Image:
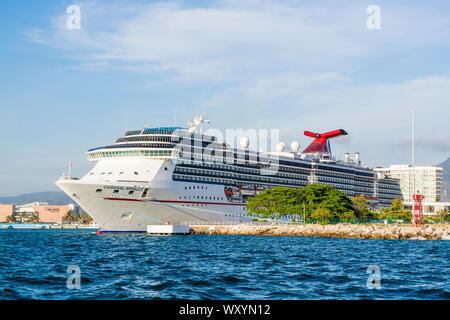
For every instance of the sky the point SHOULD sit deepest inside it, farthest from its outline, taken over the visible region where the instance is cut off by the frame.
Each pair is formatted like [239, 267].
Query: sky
[289, 66]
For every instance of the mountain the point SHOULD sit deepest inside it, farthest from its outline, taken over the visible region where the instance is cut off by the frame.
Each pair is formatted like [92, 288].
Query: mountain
[446, 175]
[51, 197]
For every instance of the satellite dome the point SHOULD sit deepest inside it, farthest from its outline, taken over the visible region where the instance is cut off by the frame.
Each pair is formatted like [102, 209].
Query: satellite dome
[244, 142]
[295, 146]
[281, 146]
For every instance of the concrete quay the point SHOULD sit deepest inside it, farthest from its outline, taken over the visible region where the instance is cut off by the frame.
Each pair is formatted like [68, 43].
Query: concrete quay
[342, 230]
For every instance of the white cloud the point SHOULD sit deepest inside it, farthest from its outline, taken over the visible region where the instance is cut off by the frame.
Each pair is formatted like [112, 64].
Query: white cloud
[376, 116]
[228, 41]
[278, 64]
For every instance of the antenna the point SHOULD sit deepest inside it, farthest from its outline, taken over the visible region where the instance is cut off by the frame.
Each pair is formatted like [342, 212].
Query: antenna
[417, 212]
[413, 151]
[70, 169]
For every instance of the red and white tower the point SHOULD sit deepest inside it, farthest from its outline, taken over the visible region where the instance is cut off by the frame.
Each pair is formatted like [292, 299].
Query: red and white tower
[417, 213]
[417, 210]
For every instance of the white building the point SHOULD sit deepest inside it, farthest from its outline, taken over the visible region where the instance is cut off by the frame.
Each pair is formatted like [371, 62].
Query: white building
[424, 180]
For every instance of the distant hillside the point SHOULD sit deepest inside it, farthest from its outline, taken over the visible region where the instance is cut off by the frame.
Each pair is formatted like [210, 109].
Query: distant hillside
[446, 175]
[51, 197]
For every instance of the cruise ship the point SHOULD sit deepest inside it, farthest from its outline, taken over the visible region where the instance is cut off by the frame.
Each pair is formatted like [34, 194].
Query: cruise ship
[176, 175]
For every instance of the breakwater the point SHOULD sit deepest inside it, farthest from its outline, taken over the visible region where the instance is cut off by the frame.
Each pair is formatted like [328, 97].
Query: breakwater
[342, 230]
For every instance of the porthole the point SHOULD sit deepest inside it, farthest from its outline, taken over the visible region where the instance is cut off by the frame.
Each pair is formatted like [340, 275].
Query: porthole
[136, 173]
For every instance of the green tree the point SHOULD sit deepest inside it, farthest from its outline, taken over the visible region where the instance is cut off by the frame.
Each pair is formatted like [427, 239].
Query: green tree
[24, 217]
[397, 211]
[284, 202]
[84, 218]
[323, 215]
[361, 206]
[349, 215]
[34, 218]
[442, 214]
[273, 203]
[10, 219]
[68, 217]
[324, 196]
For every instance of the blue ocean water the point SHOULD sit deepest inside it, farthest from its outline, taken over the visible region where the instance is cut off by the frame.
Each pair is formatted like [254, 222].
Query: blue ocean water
[33, 265]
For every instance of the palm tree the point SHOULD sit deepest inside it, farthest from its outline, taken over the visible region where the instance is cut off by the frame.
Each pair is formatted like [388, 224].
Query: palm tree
[34, 218]
[24, 217]
[68, 217]
[442, 215]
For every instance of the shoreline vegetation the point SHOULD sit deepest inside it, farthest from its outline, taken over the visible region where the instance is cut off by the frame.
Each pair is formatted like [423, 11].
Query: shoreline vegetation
[323, 204]
[340, 230]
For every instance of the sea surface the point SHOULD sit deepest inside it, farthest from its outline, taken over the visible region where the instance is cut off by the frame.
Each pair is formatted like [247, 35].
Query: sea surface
[34, 265]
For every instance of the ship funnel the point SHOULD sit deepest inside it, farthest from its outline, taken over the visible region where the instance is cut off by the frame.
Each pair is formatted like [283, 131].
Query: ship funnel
[320, 145]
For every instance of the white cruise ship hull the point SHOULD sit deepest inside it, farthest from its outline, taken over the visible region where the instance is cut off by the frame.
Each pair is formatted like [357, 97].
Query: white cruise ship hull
[122, 213]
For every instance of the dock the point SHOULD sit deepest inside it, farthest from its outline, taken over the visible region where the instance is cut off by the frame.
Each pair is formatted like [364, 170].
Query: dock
[155, 229]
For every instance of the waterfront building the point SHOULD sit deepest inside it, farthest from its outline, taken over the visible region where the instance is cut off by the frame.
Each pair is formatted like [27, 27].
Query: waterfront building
[43, 211]
[53, 214]
[424, 180]
[5, 211]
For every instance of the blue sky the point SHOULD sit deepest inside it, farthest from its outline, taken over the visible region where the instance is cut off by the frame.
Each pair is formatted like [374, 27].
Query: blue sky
[287, 65]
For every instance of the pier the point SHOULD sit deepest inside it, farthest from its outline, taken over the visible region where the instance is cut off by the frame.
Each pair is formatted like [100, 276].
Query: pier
[168, 230]
[341, 230]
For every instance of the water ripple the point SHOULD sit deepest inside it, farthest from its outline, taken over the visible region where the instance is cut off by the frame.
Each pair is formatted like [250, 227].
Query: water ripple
[33, 265]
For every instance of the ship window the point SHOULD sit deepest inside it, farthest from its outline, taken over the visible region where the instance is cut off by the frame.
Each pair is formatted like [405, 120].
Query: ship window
[98, 190]
[121, 172]
[115, 191]
[131, 192]
[144, 194]
[136, 173]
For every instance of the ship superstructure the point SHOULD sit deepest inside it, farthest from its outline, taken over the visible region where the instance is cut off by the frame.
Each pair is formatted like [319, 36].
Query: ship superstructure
[177, 175]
